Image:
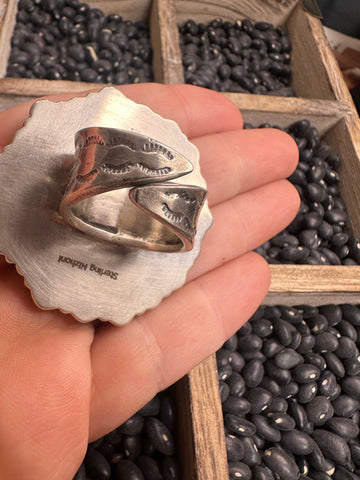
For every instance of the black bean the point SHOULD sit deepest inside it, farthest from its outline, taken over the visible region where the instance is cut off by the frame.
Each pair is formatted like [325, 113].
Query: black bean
[132, 426]
[159, 436]
[316, 459]
[345, 406]
[149, 467]
[317, 323]
[81, 473]
[334, 364]
[281, 463]
[96, 465]
[127, 470]
[319, 410]
[342, 473]
[298, 442]
[239, 470]
[271, 347]
[237, 361]
[264, 429]
[234, 448]
[259, 399]
[282, 421]
[326, 342]
[347, 329]
[152, 408]
[262, 327]
[346, 348]
[333, 446]
[298, 413]
[307, 392]
[261, 472]
[295, 340]
[170, 468]
[238, 425]
[282, 331]
[231, 343]
[307, 344]
[327, 384]
[244, 331]
[351, 386]
[249, 343]
[224, 391]
[132, 446]
[224, 372]
[280, 375]
[236, 384]
[271, 385]
[288, 358]
[253, 373]
[289, 390]
[354, 445]
[251, 454]
[336, 216]
[315, 359]
[351, 313]
[236, 405]
[344, 427]
[306, 373]
[352, 365]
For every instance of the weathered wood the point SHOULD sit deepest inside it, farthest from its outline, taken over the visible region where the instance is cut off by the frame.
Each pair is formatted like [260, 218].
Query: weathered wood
[8, 12]
[257, 109]
[167, 60]
[39, 87]
[274, 11]
[314, 284]
[135, 10]
[312, 78]
[207, 422]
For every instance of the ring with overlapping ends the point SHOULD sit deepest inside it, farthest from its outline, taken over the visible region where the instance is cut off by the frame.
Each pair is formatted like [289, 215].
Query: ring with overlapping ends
[120, 191]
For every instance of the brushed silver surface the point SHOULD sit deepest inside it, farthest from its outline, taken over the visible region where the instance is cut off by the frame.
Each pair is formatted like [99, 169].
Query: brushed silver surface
[65, 268]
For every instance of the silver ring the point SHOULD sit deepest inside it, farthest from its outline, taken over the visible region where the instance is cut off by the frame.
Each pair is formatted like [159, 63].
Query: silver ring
[119, 191]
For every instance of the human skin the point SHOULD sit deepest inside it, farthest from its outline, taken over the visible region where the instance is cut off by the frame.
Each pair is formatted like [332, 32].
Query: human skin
[64, 383]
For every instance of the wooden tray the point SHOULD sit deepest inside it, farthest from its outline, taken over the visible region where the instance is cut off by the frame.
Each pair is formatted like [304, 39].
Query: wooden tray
[323, 98]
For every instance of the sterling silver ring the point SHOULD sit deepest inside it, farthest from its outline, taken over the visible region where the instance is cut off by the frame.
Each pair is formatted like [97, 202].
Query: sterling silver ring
[119, 191]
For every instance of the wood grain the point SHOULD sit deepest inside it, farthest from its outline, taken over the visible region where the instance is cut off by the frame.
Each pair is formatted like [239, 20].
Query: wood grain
[135, 10]
[167, 61]
[8, 12]
[274, 11]
[257, 109]
[207, 422]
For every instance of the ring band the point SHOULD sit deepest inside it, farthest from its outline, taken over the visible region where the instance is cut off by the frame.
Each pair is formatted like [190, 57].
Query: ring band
[119, 191]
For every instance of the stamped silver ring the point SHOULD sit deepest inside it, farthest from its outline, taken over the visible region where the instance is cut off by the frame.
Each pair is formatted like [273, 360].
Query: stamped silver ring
[151, 212]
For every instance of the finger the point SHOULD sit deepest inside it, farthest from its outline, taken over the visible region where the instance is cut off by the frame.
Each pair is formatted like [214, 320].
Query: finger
[240, 160]
[44, 401]
[163, 344]
[197, 111]
[245, 222]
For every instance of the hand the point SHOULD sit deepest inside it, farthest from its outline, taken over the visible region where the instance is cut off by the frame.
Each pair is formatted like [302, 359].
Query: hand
[64, 383]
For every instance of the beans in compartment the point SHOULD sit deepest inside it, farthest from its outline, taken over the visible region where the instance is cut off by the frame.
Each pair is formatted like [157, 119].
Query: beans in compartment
[69, 40]
[142, 448]
[319, 233]
[295, 435]
[241, 56]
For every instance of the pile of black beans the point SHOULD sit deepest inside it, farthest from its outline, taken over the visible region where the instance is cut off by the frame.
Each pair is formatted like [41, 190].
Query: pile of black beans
[290, 390]
[318, 235]
[68, 40]
[241, 56]
[142, 448]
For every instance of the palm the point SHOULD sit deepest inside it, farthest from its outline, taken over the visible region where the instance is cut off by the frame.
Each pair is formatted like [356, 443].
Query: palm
[64, 383]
